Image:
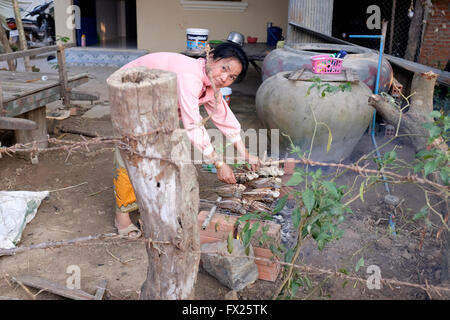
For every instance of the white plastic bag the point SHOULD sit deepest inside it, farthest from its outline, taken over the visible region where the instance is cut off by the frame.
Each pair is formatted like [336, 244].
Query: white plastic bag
[17, 208]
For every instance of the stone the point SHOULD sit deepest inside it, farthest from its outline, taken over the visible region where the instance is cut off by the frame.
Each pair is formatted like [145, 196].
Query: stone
[385, 243]
[234, 270]
[437, 275]
[407, 256]
[232, 295]
[391, 200]
[98, 112]
[412, 247]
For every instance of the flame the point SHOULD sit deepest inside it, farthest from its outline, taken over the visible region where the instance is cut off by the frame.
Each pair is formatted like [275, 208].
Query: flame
[237, 237]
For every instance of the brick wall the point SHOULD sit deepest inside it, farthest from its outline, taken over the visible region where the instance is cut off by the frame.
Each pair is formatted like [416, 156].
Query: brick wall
[435, 50]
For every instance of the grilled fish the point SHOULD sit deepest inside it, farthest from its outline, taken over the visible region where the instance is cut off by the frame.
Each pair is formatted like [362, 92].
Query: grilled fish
[270, 182]
[231, 190]
[261, 194]
[270, 172]
[245, 177]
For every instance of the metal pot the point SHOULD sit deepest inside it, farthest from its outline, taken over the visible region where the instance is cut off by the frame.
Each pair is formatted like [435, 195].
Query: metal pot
[236, 37]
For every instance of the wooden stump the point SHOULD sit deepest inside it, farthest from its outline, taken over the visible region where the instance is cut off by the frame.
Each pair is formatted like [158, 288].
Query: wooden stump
[421, 104]
[164, 180]
[40, 134]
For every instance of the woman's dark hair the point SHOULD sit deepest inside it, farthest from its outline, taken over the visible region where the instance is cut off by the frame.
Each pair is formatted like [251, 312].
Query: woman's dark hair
[230, 50]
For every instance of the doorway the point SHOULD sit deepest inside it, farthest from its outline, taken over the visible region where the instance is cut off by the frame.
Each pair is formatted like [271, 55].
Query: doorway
[108, 23]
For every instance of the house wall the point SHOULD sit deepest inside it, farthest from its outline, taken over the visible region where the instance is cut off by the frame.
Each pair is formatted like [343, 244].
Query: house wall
[435, 50]
[61, 18]
[162, 24]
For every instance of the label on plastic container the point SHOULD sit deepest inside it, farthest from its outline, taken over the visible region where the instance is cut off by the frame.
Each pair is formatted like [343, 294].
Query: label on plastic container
[196, 41]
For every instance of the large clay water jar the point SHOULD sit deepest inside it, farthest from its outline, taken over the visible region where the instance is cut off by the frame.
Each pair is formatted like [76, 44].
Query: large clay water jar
[363, 60]
[284, 104]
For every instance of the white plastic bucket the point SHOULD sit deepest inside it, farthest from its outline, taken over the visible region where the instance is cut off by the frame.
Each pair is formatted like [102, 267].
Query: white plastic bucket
[226, 93]
[196, 38]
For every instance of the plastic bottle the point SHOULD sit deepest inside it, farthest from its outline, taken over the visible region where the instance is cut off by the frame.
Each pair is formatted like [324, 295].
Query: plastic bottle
[341, 54]
[83, 40]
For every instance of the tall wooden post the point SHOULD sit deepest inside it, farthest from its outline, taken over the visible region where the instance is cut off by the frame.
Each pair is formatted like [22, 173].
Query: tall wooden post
[22, 40]
[164, 181]
[7, 47]
[63, 79]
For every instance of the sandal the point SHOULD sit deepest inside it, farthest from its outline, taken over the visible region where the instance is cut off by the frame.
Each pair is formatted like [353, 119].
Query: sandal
[125, 233]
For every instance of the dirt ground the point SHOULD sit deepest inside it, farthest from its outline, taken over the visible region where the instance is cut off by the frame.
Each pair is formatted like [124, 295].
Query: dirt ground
[88, 209]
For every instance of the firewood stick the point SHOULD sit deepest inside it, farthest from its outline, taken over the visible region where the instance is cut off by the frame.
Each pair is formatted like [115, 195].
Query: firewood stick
[211, 214]
[54, 244]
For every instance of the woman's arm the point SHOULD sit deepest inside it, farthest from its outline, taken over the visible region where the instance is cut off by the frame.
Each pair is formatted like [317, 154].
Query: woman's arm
[251, 159]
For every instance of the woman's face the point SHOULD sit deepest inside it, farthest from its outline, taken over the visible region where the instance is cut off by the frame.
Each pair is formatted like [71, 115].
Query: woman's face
[225, 71]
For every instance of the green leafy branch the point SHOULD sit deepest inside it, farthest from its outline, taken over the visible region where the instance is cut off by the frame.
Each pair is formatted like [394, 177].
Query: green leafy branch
[327, 87]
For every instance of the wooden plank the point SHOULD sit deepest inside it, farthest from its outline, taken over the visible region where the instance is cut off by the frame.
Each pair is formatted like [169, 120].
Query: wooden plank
[308, 75]
[53, 287]
[7, 123]
[318, 34]
[443, 76]
[23, 76]
[29, 103]
[73, 82]
[101, 288]
[296, 75]
[32, 52]
[20, 104]
[351, 75]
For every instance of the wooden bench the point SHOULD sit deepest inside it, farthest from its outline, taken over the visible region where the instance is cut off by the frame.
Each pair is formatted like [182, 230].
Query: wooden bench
[26, 94]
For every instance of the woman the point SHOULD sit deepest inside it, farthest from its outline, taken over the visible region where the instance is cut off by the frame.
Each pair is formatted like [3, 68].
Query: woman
[228, 63]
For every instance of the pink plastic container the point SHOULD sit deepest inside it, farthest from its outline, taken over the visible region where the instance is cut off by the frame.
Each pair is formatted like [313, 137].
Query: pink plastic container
[325, 64]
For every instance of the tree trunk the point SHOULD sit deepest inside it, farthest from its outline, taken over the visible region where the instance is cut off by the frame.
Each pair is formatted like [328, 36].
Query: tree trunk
[7, 47]
[164, 180]
[421, 104]
[22, 40]
[415, 32]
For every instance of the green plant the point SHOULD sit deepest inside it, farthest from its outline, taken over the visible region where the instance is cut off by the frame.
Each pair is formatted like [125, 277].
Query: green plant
[62, 39]
[327, 87]
[436, 159]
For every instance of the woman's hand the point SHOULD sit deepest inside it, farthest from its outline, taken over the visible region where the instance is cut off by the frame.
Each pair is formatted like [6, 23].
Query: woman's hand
[254, 162]
[225, 174]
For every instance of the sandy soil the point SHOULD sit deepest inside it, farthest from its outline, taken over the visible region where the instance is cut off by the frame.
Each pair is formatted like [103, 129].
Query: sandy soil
[89, 209]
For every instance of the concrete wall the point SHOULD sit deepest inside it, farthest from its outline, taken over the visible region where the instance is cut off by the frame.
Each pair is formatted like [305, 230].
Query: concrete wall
[61, 18]
[162, 24]
[435, 50]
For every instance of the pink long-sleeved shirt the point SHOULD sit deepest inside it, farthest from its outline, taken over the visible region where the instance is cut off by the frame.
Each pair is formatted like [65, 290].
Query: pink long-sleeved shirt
[194, 90]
